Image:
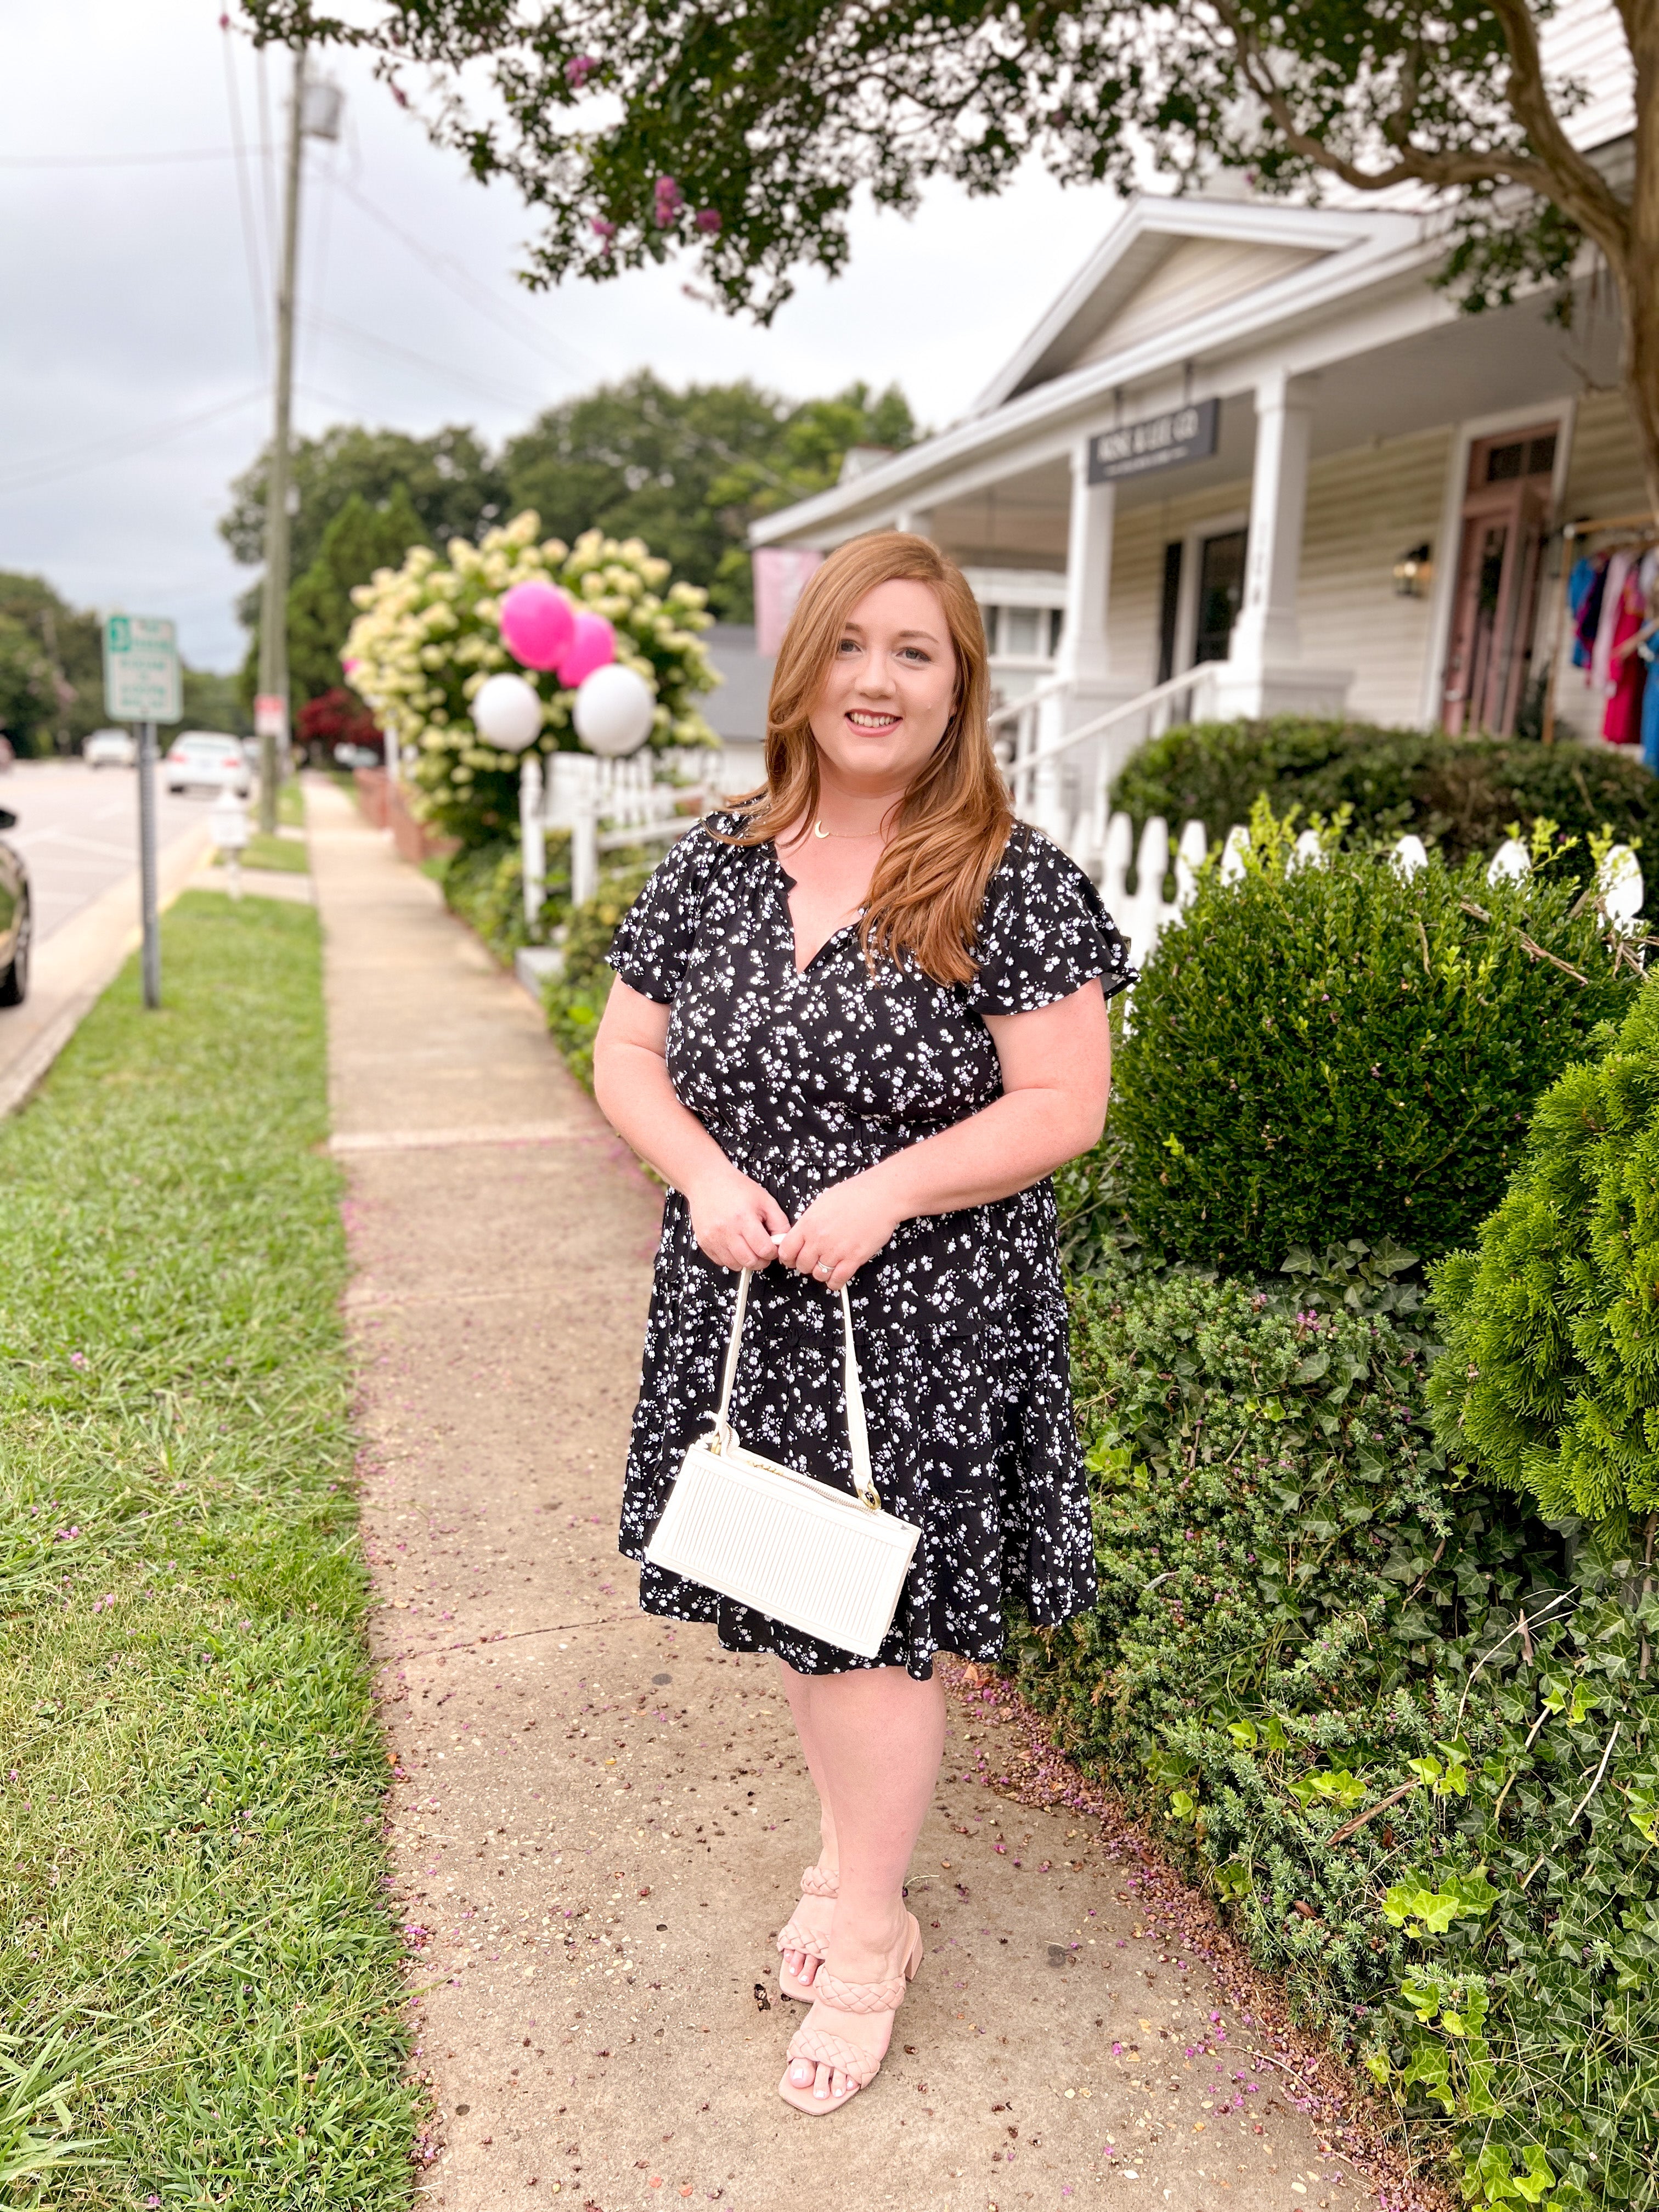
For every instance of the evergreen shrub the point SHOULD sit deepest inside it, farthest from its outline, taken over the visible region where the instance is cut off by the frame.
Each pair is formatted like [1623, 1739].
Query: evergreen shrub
[1462, 794]
[1366, 1703]
[1549, 1383]
[1331, 1051]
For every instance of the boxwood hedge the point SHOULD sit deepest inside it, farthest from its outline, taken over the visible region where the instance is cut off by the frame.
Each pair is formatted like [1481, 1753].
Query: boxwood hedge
[1395, 1725]
[1461, 792]
[1330, 1051]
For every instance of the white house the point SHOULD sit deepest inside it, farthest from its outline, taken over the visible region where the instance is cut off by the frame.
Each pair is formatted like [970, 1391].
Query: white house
[1251, 446]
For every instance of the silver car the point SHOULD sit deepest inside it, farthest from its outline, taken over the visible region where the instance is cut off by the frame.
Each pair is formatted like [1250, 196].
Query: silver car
[13, 919]
[110, 748]
[207, 758]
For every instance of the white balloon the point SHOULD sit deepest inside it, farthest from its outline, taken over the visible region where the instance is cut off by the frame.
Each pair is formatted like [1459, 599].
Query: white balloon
[507, 711]
[614, 709]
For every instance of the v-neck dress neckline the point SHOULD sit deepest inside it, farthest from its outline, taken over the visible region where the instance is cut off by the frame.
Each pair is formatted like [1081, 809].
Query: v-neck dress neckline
[805, 1077]
[786, 883]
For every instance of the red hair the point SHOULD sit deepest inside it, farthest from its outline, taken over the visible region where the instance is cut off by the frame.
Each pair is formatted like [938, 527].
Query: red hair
[952, 825]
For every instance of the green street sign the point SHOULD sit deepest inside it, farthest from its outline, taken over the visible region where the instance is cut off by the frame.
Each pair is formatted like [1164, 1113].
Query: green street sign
[141, 670]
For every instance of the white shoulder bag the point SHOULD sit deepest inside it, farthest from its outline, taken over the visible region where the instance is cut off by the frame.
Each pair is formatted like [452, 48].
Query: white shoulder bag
[782, 1541]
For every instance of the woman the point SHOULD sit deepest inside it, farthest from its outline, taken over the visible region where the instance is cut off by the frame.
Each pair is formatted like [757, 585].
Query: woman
[858, 1020]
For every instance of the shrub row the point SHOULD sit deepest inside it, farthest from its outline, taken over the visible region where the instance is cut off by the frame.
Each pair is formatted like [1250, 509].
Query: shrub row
[1460, 792]
[1366, 1701]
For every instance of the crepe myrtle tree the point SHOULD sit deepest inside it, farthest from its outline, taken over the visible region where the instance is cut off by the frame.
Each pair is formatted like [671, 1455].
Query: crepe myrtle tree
[744, 130]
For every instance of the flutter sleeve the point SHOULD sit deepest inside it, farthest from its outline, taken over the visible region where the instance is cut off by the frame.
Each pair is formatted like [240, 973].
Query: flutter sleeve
[1043, 932]
[653, 939]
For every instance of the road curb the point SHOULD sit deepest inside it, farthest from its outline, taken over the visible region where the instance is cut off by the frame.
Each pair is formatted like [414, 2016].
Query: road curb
[77, 963]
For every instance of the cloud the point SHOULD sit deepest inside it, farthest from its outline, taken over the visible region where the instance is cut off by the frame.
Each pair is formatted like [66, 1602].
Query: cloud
[133, 378]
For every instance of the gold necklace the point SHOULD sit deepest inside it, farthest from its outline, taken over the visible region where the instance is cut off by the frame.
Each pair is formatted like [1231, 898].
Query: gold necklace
[851, 837]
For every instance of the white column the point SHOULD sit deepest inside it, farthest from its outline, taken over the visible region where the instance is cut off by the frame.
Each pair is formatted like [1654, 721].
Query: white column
[1083, 655]
[1266, 631]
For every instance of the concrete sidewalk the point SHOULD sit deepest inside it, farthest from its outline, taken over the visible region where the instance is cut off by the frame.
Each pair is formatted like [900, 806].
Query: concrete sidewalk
[599, 1820]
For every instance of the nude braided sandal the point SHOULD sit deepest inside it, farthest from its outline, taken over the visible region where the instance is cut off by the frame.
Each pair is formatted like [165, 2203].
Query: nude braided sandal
[797, 1936]
[819, 2048]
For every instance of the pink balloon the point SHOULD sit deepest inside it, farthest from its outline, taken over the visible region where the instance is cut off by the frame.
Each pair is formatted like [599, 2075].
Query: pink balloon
[538, 623]
[594, 645]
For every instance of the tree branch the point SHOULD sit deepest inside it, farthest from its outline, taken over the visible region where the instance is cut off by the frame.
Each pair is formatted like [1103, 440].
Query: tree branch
[1576, 185]
[1414, 166]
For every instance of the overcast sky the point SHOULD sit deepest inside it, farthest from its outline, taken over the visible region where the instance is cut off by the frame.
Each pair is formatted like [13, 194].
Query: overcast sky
[134, 361]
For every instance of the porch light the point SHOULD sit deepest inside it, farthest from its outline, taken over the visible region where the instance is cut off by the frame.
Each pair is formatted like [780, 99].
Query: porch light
[1411, 572]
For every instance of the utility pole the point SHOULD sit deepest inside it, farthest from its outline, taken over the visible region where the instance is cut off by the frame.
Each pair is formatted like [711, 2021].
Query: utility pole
[271, 714]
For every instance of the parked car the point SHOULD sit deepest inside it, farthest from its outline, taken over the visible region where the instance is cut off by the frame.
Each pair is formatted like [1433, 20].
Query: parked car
[110, 748]
[14, 921]
[351, 755]
[207, 758]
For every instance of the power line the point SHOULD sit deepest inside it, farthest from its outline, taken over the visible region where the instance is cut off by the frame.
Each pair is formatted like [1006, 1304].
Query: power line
[467, 287]
[130, 444]
[244, 203]
[502, 393]
[117, 160]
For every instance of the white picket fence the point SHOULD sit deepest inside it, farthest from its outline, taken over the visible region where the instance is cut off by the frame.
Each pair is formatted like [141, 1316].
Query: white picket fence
[1144, 913]
[647, 799]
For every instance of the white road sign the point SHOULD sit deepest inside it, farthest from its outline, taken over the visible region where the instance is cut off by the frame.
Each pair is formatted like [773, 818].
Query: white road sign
[141, 670]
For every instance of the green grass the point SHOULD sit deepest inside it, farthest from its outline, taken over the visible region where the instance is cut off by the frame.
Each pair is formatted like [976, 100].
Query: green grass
[200, 1995]
[291, 855]
[290, 805]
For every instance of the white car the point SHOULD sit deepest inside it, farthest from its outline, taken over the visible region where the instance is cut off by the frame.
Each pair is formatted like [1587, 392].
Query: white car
[209, 758]
[110, 748]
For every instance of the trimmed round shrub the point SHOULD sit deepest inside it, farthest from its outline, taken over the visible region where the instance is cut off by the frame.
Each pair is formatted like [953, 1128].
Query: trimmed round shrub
[1330, 1051]
[1550, 1382]
[1462, 794]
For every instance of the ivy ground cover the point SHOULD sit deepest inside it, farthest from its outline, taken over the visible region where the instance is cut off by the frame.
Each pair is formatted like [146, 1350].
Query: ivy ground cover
[200, 1997]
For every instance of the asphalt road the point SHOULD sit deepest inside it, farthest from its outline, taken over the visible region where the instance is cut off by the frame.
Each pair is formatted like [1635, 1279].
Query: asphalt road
[77, 829]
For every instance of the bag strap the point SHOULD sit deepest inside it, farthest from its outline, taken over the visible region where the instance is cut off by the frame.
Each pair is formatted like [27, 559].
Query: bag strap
[858, 1434]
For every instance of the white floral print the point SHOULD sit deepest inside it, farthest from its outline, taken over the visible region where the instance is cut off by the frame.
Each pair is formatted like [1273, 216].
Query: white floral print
[804, 1079]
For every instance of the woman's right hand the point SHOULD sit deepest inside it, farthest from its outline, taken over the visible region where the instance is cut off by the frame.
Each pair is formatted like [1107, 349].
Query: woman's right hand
[736, 1224]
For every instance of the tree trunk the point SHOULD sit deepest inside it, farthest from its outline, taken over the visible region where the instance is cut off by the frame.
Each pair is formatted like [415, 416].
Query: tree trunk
[1638, 278]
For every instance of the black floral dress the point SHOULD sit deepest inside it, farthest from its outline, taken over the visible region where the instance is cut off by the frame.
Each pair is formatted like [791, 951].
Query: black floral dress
[804, 1079]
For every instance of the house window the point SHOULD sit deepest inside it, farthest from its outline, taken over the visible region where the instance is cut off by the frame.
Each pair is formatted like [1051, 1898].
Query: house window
[1220, 593]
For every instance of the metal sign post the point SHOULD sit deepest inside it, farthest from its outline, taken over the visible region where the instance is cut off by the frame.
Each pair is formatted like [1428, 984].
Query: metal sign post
[141, 685]
[147, 893]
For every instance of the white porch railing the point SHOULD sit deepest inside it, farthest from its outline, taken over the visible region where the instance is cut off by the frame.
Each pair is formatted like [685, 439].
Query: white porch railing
[1062, 782]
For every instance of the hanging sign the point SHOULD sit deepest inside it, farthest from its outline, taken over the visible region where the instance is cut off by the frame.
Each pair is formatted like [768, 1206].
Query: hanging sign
[1161, 441]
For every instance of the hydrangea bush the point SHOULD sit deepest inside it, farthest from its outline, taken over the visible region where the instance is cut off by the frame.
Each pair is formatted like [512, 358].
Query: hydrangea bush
[427, 636]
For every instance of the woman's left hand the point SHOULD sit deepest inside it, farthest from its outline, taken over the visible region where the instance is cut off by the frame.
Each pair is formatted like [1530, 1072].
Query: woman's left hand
[843, 1227]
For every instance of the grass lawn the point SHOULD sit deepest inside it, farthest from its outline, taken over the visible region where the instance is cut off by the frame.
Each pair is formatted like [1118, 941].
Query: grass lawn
[290, 853]
[290, 805]
[200, 1996]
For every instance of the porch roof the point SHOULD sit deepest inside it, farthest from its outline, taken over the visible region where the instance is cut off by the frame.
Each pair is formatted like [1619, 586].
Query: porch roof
[1342, 291]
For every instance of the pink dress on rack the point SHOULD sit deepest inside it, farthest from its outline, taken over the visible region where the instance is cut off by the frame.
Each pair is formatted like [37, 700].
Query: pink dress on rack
[1621, 724]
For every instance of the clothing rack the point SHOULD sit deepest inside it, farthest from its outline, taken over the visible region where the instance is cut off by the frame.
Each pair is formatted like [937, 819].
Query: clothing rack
[1606, 526]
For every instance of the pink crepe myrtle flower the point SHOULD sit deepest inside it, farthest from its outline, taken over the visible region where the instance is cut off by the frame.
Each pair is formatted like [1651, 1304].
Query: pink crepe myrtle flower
[601, 228]
[579, 69]
[706, 219]
[669, 201]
